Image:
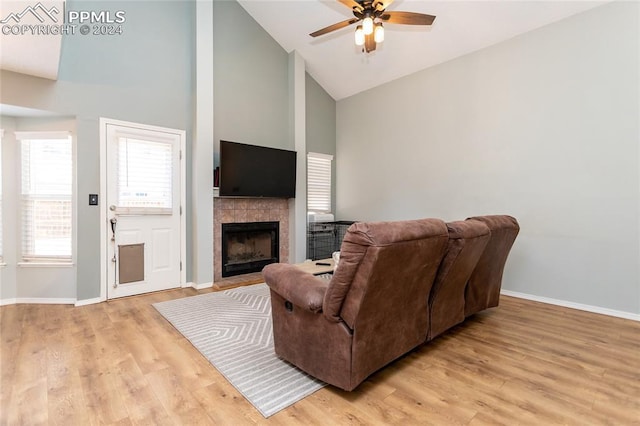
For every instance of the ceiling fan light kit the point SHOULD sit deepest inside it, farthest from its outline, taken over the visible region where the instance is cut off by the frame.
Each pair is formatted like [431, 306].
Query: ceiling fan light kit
[359, 35]
[371, 14]
[379, 33]
[367, 25]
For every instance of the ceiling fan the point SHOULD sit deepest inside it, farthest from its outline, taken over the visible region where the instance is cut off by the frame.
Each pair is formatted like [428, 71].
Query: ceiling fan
[373, 13]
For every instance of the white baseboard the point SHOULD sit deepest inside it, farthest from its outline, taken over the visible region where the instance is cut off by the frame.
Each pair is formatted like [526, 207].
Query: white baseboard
[201, 286]
[85, 302]
[38, 301]
[573, 305]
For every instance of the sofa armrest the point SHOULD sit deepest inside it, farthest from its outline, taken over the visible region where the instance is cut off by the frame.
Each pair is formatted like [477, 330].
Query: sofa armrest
[300, 288]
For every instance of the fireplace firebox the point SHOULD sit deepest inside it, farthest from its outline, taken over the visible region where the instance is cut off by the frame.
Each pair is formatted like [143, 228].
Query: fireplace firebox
[249, 247]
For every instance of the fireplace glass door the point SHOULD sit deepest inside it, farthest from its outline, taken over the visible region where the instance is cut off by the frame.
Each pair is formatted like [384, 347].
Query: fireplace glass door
[248, 247]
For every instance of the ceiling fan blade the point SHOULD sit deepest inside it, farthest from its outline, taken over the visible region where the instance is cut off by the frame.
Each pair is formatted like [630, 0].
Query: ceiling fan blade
[407, 18]
[352, 4]
[369, 43]
[381, 4]
[334, 27]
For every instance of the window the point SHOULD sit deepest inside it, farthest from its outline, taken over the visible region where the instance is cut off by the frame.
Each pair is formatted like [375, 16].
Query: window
[144, 179]
[46, 181]
[319, 182]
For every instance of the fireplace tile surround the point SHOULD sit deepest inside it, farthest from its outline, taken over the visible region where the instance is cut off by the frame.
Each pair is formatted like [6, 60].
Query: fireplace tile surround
[242, 210]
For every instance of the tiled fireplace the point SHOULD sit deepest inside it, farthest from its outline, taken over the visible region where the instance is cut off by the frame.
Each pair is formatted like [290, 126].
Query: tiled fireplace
[249, 210]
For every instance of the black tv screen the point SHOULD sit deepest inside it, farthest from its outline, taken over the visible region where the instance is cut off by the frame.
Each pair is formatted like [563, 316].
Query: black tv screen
[256, 171]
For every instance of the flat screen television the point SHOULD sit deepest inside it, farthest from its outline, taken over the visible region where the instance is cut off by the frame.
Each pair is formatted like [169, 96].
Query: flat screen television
[256, 171]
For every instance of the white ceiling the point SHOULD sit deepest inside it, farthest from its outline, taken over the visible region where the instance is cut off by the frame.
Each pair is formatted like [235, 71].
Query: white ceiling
[333, 60]
[460, 27]
[16, 111]
[29, 53]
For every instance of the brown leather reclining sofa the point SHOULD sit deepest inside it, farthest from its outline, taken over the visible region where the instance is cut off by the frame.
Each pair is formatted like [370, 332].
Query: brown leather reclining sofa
[397, 285]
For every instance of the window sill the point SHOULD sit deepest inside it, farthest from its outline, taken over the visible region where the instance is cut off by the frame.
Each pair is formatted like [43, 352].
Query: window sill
[45, 264]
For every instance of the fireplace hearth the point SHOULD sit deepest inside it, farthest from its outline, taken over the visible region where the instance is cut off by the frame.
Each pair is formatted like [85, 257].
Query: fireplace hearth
[249, 247]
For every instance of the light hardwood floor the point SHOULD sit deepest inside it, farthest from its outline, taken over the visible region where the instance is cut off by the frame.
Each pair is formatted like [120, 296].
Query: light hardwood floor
[121, 363]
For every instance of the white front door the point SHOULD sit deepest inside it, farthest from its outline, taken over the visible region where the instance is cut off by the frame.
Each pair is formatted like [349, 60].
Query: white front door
[143, 175]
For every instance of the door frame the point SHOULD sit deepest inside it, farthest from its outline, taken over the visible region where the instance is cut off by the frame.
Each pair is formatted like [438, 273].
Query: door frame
[104, 223]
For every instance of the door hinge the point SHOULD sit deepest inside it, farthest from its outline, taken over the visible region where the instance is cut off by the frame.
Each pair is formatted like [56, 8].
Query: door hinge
[181, 154]
[180, 210]
[181, 265]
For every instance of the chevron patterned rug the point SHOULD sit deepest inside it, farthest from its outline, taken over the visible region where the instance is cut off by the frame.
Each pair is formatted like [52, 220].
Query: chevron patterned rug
[232, 329]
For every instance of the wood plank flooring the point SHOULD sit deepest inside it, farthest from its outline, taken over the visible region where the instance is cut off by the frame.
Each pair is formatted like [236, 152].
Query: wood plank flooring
[121, 363]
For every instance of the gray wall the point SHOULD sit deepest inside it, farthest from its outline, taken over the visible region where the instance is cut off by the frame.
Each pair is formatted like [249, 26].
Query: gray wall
[251, 94]
[201, 161]
[321, 125]
[543, 127]
[258, 89]
[144, 75]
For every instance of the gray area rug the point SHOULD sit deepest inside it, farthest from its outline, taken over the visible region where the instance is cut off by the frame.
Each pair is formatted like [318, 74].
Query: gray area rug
[232, 329]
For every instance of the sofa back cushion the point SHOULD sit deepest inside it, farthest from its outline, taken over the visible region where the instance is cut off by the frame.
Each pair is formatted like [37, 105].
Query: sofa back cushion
[483, 288]
[382, 257]
[467, 241]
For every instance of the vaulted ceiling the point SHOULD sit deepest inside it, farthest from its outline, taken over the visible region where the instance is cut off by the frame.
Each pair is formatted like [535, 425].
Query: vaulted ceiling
[460, 27]
[333, 60]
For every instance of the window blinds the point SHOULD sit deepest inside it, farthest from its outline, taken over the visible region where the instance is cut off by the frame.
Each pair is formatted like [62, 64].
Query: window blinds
[145, 176]
[319, 182]
[46, 181]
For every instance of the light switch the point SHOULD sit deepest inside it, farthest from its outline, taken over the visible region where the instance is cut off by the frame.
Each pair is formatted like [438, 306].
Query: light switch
[93, 199]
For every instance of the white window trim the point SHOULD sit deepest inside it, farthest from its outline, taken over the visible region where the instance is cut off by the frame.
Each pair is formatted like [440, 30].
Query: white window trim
[42, 135]
[46, 264]
[44, 261]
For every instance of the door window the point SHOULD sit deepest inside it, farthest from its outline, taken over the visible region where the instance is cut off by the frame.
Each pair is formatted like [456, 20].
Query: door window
[144, 177]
